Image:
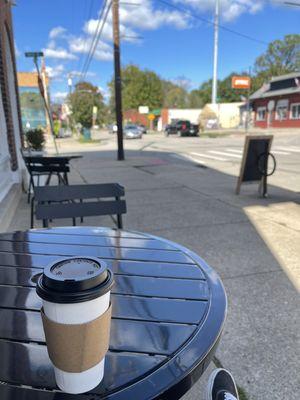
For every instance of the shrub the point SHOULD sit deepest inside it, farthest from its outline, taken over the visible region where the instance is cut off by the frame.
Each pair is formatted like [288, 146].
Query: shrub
[35, 139]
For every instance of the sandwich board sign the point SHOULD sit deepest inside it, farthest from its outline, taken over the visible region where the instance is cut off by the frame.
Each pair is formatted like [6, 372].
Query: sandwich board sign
[254, 166]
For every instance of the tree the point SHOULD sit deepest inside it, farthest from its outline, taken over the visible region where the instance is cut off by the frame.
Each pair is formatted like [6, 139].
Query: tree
[176, 97]
[281, 57]
[82, 101]
[139, 88]
[195, 99]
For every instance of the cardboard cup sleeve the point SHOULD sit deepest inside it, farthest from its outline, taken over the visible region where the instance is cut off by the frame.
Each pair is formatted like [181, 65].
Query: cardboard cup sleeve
[77, 347]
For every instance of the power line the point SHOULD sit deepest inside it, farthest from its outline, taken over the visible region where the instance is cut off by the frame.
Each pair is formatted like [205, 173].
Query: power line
[89, 14]
[104, 13]
[199, 17]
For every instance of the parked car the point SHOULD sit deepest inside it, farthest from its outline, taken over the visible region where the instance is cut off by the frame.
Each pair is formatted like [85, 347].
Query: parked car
[182, 128]
[112, 128]
[142, 128]
[132, 132]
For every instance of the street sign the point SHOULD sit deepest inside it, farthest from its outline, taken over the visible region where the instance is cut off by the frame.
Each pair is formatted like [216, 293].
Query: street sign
[151, 117]
[241, 82]
[34, 54]
[143, 109]
[95, 110]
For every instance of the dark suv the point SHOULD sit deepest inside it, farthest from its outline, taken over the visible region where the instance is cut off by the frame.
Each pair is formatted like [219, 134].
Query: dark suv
[182, 128]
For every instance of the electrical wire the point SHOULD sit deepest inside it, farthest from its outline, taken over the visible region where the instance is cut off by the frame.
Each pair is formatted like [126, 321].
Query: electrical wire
[199, 17]
[88, 14]
[102, 18]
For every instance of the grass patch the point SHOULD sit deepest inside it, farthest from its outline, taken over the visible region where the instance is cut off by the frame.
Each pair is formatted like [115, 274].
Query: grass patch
[216, 134]
[242, 393]
[84, 140]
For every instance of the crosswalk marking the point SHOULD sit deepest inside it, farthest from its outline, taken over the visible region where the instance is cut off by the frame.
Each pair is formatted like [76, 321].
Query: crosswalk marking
[235, 151]
[185, 156]
[289, 149]
[211, 157]
[222, 153]
[283, 153]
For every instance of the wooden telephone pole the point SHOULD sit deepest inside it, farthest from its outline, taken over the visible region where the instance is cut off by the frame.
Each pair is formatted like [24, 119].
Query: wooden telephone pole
[118, 80]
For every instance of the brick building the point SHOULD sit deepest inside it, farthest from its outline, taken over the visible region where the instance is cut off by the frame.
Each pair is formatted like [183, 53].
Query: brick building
[10, 121]
[277, 104]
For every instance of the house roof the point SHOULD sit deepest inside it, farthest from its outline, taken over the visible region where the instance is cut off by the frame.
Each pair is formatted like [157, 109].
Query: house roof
[287, 76]
[263, 93]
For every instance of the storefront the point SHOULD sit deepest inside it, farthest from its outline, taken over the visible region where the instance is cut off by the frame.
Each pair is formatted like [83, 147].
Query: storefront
[277, 104]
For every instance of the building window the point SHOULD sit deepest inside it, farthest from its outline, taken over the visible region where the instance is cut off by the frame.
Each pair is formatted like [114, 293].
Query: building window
[282, 110]
[261, 113]
[295, 111]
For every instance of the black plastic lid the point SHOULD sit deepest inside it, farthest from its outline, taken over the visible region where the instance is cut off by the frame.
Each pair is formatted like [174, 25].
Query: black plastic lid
[74, 280]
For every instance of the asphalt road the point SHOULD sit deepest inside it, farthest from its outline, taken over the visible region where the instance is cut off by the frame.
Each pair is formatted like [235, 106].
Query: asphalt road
[225, 153]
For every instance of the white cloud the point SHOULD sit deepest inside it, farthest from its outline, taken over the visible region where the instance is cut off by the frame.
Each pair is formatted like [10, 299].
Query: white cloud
[59, 53]
[230, 9]
[76, 74]
[82, 45]
[17, 51]
[56, 32]
[56, 71]
[139, 17]
[59, 96]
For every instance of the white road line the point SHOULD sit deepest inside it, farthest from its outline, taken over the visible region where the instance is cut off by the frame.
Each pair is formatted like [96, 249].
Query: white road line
[210, 157]
[187, 156]
[222, 153]
[235, 151]
[283, 153]
[195, 159]
[291, 149]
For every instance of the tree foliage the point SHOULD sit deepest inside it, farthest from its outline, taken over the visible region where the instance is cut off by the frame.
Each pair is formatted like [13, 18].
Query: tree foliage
[281, 57]
[82, 100]
[139, 88]
[145, 87]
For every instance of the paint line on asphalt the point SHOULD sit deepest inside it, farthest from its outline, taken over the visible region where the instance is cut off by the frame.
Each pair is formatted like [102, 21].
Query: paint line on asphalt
[187, 157]
[222, 153]
[210, 157]
[291, 149]
[235, 151]
[283, 153]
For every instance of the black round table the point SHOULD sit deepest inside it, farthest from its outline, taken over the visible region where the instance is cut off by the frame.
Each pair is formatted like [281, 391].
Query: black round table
[169, 309]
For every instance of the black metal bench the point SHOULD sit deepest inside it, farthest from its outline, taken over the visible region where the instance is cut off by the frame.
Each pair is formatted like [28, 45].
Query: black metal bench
[56, 202]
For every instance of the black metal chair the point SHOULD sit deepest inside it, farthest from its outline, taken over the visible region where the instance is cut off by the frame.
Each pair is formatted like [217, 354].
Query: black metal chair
[55, 202]
[46, 166]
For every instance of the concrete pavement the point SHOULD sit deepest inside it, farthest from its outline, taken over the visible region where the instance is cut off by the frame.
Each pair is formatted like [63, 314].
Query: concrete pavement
[252, 243]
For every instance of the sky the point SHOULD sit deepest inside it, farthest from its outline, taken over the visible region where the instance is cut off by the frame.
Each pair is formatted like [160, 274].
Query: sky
[172, 37]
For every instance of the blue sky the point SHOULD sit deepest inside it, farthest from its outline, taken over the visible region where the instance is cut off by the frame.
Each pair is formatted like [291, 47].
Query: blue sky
[174, 44]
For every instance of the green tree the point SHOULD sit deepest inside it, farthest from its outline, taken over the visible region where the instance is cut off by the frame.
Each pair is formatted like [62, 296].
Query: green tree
[195, 99]
[176, 97]
[138, 88]
[281, 57]
[82, 101]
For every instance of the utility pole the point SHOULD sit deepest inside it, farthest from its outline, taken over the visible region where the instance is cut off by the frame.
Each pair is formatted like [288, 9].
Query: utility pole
[248, 104]
[118, 80]
[214, 96]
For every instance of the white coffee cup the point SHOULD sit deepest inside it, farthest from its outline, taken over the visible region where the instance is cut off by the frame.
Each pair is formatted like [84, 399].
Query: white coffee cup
[64, 303]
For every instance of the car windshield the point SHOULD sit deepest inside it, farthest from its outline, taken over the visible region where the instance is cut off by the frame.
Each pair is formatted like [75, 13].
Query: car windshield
[130, 127]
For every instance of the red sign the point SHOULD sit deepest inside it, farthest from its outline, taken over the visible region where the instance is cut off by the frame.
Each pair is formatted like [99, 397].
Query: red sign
[241, 82]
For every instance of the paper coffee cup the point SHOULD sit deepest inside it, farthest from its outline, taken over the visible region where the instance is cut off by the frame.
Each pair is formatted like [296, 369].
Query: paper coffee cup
[75, 293]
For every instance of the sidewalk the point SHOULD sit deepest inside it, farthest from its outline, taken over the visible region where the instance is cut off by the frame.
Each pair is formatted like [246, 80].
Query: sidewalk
[252, 243]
